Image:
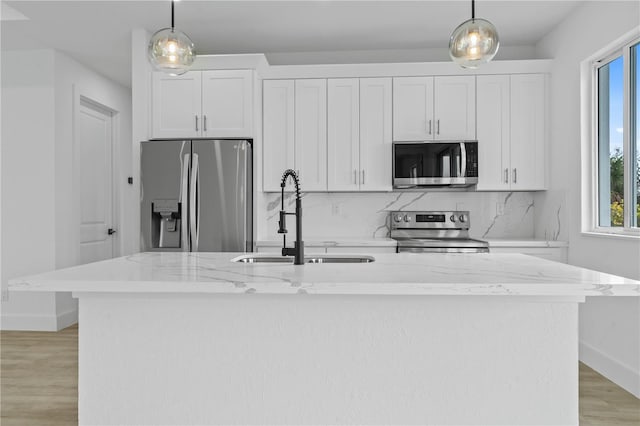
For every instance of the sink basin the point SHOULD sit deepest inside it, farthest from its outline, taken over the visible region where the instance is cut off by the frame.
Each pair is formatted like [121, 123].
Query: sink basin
[256, 258]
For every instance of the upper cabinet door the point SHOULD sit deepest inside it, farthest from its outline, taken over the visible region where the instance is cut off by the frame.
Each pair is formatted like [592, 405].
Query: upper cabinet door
[278, 150]
[375, 134]
[227, 99]
[455, 108]
[413, 108]
[176, 104]
[311, 133]
[343, 131]
[528, 132]
[493, 132]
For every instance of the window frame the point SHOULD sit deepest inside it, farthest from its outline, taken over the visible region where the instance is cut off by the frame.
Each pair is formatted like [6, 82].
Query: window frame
[590, 176]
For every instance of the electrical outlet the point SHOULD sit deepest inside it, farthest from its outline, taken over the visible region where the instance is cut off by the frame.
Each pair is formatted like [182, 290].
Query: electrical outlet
[5, 295]
[499, 209]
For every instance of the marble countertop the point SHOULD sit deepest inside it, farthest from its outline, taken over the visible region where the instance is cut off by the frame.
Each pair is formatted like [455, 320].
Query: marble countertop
[524, 242]
[332, 242]
[390, 274]
[389, 242]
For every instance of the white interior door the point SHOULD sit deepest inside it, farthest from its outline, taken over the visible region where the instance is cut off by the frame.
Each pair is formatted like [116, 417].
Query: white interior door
[95, 181]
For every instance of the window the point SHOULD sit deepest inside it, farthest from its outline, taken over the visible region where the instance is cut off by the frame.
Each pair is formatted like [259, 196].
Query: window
[617, 140]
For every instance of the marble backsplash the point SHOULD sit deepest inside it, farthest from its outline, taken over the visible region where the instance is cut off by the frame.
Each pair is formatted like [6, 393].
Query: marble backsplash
[366, 215]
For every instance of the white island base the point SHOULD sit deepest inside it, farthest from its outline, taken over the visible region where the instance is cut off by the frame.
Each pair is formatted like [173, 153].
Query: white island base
[327, 359]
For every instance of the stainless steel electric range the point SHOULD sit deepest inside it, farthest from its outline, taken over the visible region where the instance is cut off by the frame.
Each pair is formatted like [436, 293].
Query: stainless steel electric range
[434, 232]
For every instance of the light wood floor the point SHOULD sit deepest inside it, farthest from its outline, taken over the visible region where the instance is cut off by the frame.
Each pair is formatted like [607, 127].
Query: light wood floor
[39, 375]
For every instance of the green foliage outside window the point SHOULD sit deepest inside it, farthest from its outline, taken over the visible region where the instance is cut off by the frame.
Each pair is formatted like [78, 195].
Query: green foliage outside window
[617, 189]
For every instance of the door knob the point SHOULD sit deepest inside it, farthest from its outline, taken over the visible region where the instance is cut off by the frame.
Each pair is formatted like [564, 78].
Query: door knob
[111, 231]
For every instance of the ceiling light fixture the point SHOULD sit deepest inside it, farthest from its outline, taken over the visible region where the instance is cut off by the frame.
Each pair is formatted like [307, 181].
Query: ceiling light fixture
[474, 42]
[171, 50]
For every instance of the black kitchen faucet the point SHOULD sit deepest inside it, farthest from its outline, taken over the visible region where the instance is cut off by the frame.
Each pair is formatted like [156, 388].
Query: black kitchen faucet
[298, 249]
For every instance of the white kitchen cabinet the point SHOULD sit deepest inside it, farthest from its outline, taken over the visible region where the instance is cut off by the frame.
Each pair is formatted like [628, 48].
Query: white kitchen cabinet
[343, 131]
[412, 108]
[454, 110]
[375, 134]
[278, 132]
[177, 104]
[511, 132]
[216, 104]
[493, 132]
[528, 127]
[311, 133]
[295, 132]
[227, 97]
[434, 108]
[359, 134]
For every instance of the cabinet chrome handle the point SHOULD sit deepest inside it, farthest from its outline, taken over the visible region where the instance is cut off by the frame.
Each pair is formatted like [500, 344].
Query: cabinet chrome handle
[506, 175]
[429, 126]
[515, 175]
[355, 176]
[196, 123]
[438, 127]
[204, 123]
[362, 176]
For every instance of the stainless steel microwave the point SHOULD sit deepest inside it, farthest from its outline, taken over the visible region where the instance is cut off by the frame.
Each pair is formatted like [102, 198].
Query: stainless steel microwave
[435, 163]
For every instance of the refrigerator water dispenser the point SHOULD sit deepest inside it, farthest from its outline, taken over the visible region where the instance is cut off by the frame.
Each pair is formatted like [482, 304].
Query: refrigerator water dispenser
[165, 223]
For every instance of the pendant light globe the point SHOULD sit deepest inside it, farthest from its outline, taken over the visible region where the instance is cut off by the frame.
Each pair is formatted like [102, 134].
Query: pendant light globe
[171, 51]
[474, 42]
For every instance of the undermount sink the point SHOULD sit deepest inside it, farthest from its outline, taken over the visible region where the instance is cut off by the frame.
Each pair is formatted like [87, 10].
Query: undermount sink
[252, 258]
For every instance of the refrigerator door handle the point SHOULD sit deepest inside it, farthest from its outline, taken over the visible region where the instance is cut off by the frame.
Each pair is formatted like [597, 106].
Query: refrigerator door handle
[184, 191]
[194, 205]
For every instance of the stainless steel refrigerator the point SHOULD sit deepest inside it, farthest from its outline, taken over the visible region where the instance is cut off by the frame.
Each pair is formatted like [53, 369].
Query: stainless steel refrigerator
[196, 195]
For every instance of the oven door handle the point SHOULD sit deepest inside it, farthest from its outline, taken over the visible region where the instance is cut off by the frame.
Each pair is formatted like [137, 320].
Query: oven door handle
[463, 159]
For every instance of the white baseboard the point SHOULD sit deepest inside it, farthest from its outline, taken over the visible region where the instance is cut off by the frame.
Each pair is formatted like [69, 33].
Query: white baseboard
[39, 322]
[618, 373]
[67, 318]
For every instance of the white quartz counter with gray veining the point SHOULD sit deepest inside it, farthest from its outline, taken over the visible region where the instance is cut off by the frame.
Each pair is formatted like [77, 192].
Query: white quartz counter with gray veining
[390, 274]
[332, 242]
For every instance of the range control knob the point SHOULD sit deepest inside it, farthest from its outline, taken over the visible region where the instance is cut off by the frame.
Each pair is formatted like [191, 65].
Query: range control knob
[397, 217]
[407, 218]
[463, 218]
[453, 218]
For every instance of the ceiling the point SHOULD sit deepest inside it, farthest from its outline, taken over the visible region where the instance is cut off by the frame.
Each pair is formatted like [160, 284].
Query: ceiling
[98, 33]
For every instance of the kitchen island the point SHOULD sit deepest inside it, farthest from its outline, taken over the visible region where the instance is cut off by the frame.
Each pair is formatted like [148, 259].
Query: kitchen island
[194, 338]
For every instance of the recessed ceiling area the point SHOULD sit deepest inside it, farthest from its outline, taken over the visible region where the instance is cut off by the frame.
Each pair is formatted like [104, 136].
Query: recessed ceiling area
[98, 33]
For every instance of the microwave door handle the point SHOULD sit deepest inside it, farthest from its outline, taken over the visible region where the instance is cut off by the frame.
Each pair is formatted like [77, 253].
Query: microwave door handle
[463, 159]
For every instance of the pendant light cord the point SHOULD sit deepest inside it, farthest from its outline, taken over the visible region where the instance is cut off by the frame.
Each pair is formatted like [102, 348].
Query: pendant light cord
[172, 26]
[473, 9]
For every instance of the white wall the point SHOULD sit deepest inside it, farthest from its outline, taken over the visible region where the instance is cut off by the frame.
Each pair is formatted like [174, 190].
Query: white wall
[28, 178]
[39, 224]
[609, 328]
[386, 55]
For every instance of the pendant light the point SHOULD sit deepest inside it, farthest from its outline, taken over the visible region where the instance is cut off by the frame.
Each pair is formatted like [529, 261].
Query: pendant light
[171, 50]
[474, 42]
